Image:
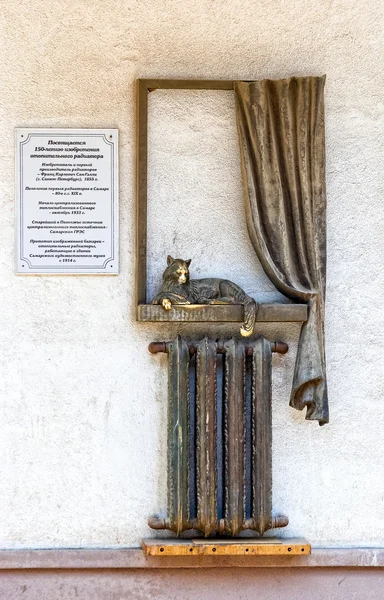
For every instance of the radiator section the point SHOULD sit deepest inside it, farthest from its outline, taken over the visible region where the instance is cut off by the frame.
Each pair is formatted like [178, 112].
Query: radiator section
[178, 436]
[206, 421]
[234, 436]
[262, 435]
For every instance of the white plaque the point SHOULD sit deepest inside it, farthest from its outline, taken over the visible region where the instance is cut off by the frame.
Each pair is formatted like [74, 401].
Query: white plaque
[67, 201]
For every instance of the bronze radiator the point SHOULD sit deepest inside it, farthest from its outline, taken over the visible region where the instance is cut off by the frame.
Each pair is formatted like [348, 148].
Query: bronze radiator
[219, 436]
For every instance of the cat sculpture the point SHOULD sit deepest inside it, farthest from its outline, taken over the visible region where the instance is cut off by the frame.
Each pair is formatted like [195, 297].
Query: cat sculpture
[178, 288]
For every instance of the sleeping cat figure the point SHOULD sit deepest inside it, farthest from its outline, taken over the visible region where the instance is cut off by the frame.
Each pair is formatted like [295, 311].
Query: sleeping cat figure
[177, 288]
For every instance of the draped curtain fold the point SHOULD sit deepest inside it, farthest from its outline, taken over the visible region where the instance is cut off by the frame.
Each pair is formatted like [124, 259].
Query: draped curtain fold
[281, 133]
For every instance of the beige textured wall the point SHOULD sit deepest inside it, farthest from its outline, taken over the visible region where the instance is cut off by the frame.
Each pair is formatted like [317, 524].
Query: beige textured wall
[83, 405]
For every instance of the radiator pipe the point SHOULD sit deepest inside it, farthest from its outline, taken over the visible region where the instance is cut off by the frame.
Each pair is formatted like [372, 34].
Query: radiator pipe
[158, 522]
[156, 347]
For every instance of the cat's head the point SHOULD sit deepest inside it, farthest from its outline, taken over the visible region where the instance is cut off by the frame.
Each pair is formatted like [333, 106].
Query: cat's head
[177, 270]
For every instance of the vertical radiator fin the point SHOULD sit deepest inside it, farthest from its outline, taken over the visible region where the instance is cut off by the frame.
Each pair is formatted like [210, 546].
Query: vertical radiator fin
[178, 436]
[206, 452]
[262, 434]
[234, 436]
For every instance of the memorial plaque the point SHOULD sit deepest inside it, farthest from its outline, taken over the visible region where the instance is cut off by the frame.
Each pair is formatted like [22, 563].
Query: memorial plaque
[67, 201]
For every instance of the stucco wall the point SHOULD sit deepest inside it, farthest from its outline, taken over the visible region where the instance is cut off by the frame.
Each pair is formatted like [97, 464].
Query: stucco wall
[83, 405]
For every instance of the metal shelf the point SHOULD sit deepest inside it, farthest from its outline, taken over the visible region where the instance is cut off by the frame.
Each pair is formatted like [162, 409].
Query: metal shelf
[228, 313]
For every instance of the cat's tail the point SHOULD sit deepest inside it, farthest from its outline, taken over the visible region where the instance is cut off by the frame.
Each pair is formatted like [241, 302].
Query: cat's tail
[250, 312]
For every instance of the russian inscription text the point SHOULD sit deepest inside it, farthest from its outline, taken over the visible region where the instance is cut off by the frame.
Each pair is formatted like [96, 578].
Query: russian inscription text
[67, 201]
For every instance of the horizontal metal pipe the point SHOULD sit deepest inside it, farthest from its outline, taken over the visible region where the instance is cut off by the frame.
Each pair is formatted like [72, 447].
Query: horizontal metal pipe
[277, 521]
[157, 522]
[156, 347]
[164, 522]
[279, 347]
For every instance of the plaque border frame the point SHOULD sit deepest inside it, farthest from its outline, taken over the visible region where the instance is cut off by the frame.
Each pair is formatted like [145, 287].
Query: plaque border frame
[66, 131]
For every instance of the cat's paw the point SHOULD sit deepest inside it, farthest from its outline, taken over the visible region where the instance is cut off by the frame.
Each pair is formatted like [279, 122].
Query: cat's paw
[166, 304]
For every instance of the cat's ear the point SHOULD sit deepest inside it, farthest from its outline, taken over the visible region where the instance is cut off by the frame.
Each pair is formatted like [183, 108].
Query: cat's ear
[188, 262]
[169, 260]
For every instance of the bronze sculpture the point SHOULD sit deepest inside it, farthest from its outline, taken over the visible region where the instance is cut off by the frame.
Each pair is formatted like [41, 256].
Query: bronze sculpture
[282, 151]
[219, 407]
[178, 288]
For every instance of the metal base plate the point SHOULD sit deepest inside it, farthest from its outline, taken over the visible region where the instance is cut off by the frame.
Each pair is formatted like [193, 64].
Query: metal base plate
[228, 547]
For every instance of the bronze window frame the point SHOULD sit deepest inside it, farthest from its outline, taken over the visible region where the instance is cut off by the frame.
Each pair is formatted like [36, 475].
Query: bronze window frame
[192, 313]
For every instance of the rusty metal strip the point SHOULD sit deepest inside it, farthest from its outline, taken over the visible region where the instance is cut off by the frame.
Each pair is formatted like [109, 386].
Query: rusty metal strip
[262, 434]
[178, 436]
[206, 451]
[234, 436]
[141, 190]
[188, 84]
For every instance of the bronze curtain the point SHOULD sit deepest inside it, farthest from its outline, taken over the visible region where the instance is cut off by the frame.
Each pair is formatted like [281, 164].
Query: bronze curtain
[281, 131]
